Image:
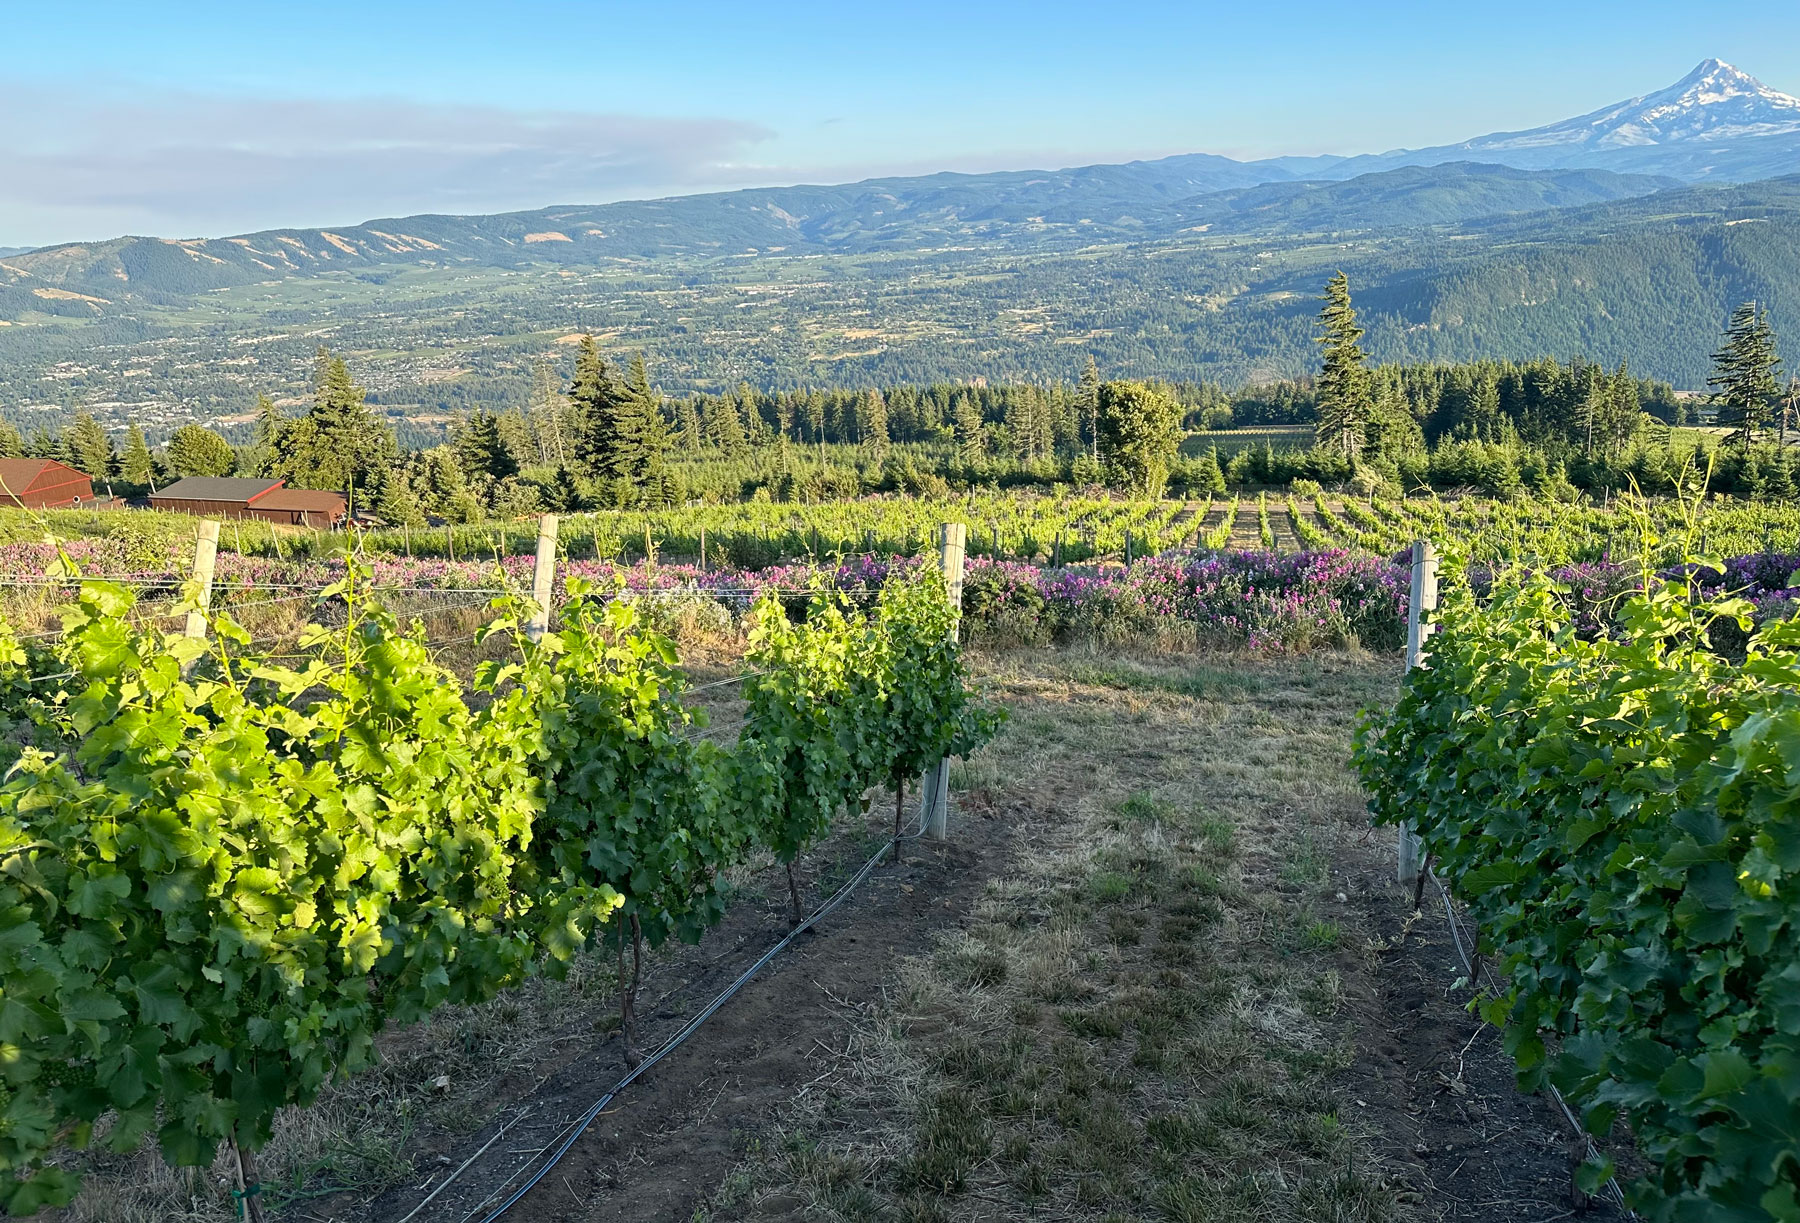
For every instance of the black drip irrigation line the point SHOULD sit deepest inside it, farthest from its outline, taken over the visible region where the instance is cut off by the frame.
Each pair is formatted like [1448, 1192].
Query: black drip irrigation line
[723, 683]
[1475, 971]
[587, 1118]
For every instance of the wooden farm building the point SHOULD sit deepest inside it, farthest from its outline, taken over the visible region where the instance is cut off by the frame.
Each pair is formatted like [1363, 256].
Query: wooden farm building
[269, 500]
[41, 484]
[303, 507]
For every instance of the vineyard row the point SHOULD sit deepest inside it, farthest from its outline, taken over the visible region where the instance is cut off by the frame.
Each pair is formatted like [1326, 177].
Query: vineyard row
[224, 871]
[1616, 806]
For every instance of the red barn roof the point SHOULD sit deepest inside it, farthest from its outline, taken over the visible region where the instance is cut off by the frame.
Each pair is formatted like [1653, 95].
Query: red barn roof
[313, 500]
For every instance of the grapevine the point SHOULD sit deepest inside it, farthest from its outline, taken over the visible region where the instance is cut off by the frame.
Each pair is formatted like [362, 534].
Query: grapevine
[1616, 809]
[221, 876]
[228, 887]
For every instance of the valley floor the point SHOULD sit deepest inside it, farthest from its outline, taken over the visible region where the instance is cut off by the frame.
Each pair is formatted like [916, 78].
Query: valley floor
[1160, 971]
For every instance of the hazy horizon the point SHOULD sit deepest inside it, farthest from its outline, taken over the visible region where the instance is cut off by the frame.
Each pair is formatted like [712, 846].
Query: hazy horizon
[206, 120]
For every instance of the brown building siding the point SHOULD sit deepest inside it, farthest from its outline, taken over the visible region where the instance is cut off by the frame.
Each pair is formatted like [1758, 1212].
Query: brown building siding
[319, 520]
[206, 509]
[264, 500]
[305, 507]
[43, 484]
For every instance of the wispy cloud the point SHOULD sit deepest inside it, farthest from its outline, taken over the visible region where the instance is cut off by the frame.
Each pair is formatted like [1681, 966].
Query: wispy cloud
[182, 165]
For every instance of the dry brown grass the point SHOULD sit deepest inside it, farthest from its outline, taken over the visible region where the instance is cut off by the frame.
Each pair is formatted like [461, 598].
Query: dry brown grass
[1141, 1020]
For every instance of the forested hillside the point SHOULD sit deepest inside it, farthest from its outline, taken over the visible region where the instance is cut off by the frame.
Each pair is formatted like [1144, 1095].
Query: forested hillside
[1442, 269]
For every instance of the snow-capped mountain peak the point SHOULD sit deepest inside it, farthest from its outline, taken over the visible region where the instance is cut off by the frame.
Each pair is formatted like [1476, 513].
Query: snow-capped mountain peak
[1713, 102]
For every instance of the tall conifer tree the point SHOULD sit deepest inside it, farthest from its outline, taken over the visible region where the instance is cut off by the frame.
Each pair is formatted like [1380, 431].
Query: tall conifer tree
[549, 412]
[89, 447]
[1087, 399]
[594, 398]
[687, 435]
[1745, 377]
[270, 421]
[480, 448]
[724, 427]
[339, 444]
[971, 439]
[1345, 390]
[874, 415]
[637, 432]
[136, 466]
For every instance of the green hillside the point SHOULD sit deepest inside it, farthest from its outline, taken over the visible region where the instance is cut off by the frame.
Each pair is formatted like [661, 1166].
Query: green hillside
[1444, 264]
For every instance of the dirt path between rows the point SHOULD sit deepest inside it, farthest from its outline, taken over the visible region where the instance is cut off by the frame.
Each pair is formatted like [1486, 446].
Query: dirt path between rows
[1431, 1078]
[1428, 1088]
[667, 1141]
[1220, 1114]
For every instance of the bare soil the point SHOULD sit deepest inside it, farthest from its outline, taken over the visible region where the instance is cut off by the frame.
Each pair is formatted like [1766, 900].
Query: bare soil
[1433, 1080]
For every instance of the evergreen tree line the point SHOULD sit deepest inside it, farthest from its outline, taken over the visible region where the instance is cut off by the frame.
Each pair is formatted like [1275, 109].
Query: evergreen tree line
[1542, 425]
[607, 438]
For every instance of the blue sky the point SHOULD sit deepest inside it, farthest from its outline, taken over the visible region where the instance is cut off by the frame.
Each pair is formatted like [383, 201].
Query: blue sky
[196, 119]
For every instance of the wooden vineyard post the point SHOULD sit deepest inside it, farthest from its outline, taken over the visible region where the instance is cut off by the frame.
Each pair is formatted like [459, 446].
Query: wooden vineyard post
[1128, 547]
[702, 549]
[206, 552]
[1419, 605]
[543, 579]
[937, 783]
[249, 1188]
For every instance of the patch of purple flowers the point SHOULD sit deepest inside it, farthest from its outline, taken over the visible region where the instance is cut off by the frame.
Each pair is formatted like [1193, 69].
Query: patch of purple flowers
[1258, 599]
[1263, 600]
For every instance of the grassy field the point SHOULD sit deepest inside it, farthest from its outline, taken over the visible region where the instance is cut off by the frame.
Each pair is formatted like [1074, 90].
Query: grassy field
[1141, 1019]
[1193, 994]
[1231, 441]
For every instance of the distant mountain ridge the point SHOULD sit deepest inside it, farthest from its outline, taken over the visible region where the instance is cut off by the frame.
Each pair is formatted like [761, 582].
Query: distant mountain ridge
[1717, 123]
[1455, 193]
[1186, 267]
[1025, 210]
